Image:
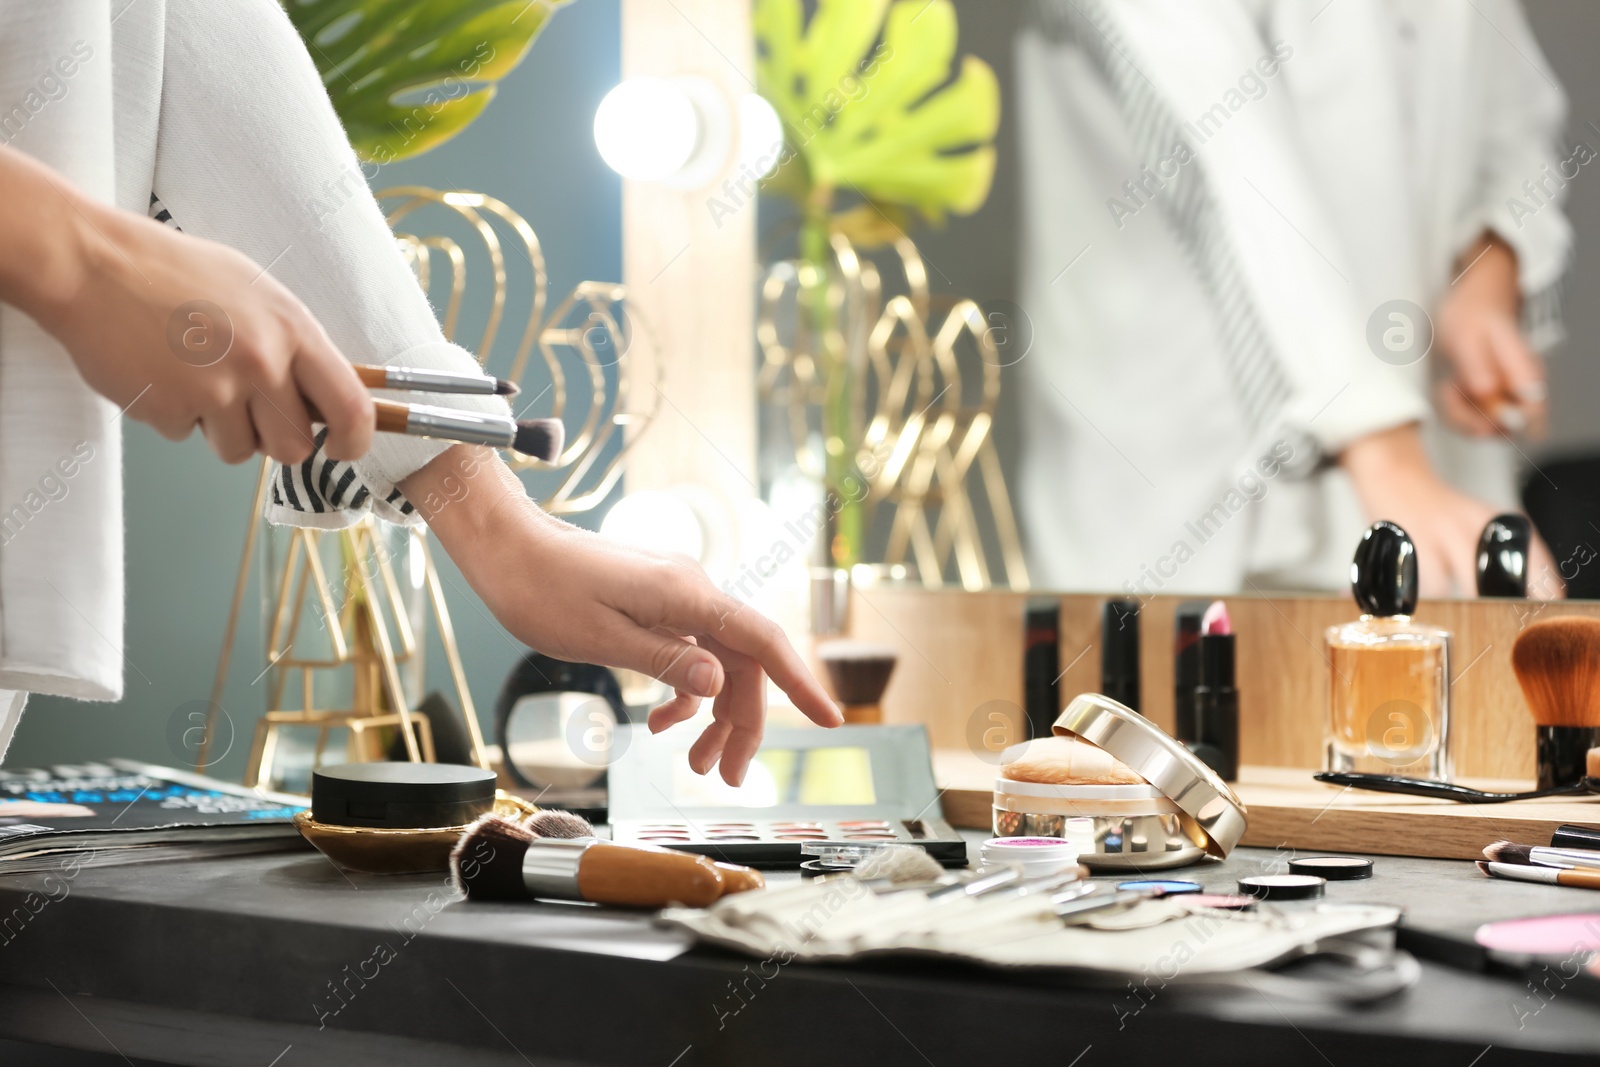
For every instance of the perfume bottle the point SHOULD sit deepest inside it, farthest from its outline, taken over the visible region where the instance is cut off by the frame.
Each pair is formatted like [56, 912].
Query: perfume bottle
[1388, 677]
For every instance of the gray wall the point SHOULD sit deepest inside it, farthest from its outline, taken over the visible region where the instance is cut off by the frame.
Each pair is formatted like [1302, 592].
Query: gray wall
[1569, 33]
[186, 512]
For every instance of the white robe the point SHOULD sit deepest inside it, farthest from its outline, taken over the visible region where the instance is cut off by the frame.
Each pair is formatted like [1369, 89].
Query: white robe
[218, 108]
[1387, 136]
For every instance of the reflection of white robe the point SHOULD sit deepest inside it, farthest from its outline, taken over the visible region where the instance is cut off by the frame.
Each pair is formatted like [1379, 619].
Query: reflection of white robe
[1388, 136]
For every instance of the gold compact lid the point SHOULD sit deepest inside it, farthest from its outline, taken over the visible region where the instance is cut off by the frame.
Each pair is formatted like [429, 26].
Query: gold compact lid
[1163, 762]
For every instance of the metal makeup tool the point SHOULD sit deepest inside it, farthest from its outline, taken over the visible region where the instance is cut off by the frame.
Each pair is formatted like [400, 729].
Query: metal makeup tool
[1087, 906]
[1429, 787]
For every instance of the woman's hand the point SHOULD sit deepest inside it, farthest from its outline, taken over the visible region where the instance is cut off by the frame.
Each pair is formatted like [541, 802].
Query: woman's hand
[1394, 480]
[172, 328]
[578, 596]
[1496, 382]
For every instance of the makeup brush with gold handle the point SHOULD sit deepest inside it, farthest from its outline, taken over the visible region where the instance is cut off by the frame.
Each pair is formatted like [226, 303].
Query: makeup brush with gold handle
[1578, 879]
[540, 438]
[433, 381]
[497, 859]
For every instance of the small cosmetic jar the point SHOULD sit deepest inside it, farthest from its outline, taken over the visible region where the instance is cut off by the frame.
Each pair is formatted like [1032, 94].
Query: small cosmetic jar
[1110, 826]
[399, 818]
[1037, 856]
[1180, 813]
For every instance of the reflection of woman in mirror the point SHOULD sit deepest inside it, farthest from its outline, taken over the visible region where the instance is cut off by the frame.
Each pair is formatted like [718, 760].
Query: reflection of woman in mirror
[1242, 216]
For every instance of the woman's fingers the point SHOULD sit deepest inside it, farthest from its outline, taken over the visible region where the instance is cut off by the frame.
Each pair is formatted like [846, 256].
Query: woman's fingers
[1461, 413]
[329, 382]
[746, 630]
[230, 433]
[677, 661]
[744, 706]
[707, 748]
[282, 425]
[681, 707]
[1524, 375]
[1545, 579]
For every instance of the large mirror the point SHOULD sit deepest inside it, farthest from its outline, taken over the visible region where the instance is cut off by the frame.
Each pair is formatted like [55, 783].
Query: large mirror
[1283, 267]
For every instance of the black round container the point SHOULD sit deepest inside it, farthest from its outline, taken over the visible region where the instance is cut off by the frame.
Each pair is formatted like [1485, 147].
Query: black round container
[396, 796]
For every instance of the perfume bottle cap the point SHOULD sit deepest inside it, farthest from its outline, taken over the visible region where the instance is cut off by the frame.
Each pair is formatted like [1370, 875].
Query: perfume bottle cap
[1503, 556]
[1383, 575]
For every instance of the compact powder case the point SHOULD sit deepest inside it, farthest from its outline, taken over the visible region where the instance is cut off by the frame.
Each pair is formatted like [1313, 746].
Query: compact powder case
[399, 818]
[1132, 826]
[1283, 886]
[1182, 814]
[396, 796]
[1333, 868]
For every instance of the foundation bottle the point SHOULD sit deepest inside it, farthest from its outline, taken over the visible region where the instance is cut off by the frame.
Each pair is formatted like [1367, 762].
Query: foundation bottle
[1388, 676]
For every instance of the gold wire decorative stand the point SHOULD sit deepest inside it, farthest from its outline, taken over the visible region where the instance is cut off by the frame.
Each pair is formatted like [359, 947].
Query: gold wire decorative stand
[367, 630]
[929, 380]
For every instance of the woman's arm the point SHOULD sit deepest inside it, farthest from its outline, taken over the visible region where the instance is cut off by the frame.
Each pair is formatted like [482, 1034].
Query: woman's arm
[118, 291]
[251, 154]
[577, 596]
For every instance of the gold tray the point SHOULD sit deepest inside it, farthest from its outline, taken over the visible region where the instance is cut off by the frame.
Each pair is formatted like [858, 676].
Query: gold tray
[415, 850]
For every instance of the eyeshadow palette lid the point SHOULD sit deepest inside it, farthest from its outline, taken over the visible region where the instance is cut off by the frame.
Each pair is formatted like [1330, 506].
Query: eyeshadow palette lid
[1163, 762]
[395, 796]
[855, 771]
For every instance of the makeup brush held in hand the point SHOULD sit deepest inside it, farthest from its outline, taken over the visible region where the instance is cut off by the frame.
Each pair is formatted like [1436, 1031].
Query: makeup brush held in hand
[1558, 666]
[433, 381]
[858, 673]
[542, 439]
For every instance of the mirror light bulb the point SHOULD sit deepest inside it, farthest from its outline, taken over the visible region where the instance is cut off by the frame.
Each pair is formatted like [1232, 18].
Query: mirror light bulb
[760, 135]
[646, 128]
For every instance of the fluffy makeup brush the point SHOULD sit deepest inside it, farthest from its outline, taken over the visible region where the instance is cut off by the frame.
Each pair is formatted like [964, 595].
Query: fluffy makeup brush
[496, 859]
[1541, 856]
[1558, 666]
[558, 824]
[858, 673]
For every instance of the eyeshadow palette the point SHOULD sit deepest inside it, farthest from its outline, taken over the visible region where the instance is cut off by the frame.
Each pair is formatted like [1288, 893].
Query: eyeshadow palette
[853, 785]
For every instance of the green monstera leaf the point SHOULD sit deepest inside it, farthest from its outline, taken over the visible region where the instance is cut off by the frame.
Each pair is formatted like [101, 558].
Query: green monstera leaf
[407, 75]
[868, 103]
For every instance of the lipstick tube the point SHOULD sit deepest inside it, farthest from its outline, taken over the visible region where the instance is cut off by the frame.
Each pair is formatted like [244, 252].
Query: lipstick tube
[1216, 702]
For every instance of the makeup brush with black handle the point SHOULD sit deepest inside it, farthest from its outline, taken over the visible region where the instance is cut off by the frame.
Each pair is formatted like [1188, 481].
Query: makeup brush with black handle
[1558, 666]
[858, 673]
[1429, 787]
